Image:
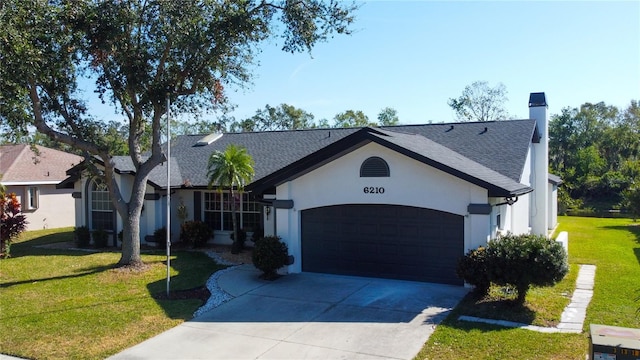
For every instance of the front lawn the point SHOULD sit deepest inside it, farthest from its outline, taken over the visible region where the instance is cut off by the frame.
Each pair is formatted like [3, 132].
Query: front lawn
[613, 245]
[60, 303]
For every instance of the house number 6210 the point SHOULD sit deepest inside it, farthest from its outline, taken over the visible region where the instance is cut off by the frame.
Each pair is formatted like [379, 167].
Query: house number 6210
[373, 190]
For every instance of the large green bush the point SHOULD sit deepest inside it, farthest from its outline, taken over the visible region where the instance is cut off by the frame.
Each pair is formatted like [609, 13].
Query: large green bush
[472, 268]
[195, 233]
[270, 254]
[525, 260]
[516, 260]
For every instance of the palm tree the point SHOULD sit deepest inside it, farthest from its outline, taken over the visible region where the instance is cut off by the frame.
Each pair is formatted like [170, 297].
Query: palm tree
[231, 168]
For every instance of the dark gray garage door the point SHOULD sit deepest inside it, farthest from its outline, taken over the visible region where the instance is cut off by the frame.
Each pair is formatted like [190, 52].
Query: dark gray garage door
[389, 241]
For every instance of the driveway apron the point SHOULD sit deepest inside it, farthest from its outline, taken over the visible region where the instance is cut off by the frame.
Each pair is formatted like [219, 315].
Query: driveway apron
[308, 316]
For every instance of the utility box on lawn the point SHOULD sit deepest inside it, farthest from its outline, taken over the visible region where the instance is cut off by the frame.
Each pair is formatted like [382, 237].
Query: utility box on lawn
[614, 343]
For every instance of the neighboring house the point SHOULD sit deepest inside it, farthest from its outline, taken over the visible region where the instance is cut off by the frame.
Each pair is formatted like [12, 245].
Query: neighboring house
[33, 176]
[400, 202]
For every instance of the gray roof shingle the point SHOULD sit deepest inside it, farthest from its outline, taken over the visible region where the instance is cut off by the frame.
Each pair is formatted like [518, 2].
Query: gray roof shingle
[493, 152]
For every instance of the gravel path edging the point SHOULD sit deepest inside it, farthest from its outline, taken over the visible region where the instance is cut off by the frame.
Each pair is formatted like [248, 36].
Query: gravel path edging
[218, 296]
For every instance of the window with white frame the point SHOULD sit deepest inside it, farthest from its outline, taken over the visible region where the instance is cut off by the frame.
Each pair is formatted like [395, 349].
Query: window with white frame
[101, 206]
[217, 211]
[32, 194]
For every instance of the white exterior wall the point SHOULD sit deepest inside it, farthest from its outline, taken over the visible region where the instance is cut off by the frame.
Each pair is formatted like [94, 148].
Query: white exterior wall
[81, 216]
[56, 207]
[411, 183]
[151, 218]
[516, 218]
[540, 173]
[553, 206]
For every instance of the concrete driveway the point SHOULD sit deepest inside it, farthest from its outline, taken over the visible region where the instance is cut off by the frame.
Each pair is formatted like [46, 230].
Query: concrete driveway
[308, 316]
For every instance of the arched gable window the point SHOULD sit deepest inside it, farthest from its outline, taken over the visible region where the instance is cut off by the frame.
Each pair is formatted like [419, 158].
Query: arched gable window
[101, 206]
[374, 167]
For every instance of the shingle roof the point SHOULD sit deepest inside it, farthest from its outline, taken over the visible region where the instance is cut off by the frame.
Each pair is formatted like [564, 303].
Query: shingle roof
[271, 151]
[499, 145]
[19, 164]
[491, 152]
[455, 163]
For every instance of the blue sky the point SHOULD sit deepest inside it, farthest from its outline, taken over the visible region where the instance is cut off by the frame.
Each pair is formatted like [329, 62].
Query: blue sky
[415, 55]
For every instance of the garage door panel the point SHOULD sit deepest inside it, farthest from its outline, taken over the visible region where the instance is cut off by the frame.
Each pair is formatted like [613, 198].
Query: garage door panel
[383, 241]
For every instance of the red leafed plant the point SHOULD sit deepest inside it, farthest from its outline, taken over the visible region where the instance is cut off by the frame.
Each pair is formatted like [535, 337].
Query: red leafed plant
[13, 222]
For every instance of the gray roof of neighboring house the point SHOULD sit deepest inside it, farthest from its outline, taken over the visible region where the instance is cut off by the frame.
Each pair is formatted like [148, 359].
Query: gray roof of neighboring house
[491, 152]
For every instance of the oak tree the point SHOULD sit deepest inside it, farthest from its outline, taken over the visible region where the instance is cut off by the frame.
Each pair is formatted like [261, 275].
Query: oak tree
[141, 55]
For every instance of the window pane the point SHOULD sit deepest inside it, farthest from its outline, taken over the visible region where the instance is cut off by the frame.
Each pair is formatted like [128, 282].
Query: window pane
[227, 224]
[213, 220]
[250, 221]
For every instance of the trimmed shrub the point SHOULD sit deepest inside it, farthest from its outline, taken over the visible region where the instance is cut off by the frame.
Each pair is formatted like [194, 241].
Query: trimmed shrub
[472, 268]
[269, 255]
[525, 260]
[82, 236]
[160, 235]
[100, 238]
[195, 233]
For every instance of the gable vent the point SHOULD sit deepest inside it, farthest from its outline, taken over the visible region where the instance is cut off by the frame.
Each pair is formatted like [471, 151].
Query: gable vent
[208, 139]
[374, 167]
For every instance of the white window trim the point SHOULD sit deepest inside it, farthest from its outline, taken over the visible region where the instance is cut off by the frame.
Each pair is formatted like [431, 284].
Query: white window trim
[240, 212]
[32, 199]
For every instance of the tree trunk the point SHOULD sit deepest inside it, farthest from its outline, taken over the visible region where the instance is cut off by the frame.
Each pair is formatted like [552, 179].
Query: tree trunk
[235, 247]
[131, 224]
[522, 293]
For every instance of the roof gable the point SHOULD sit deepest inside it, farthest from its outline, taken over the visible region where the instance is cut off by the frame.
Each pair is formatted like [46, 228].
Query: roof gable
[412, 145]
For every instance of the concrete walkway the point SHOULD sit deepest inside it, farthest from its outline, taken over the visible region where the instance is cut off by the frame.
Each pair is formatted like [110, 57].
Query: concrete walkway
[308, 316]
[573, 316]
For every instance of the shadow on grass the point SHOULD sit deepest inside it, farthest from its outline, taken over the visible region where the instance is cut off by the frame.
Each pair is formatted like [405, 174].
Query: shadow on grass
[490, 308]
[47, 245]
[187, 286]
[633, 228]
[66, 308]
[79, 273]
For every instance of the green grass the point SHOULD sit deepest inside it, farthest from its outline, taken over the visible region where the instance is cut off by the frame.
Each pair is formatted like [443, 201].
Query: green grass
[613, 245]
[74, 304]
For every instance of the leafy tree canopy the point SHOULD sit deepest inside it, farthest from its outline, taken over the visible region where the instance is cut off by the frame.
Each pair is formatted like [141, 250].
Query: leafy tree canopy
[282, 117]
[388, 117]
[595, 148]
[351, 118]
[481, 102]
[142, 55]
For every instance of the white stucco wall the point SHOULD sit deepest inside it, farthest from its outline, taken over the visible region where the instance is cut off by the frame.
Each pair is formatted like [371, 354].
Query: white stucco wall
[518, 219]
[540, 172]
[553, 206]
[152, 216]
[55, 206]
[411, 183]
